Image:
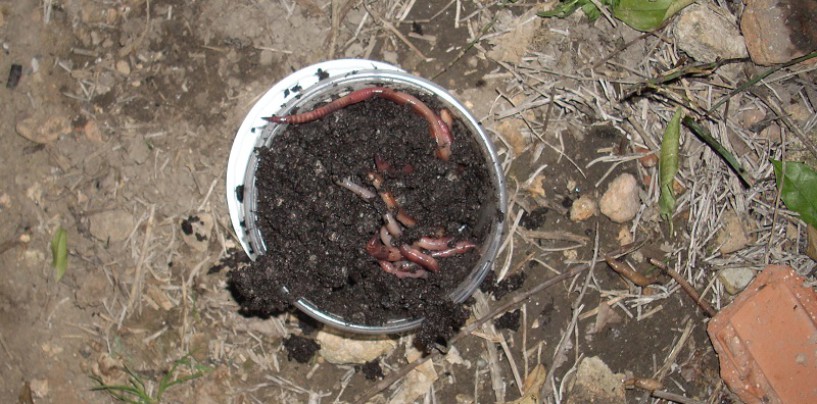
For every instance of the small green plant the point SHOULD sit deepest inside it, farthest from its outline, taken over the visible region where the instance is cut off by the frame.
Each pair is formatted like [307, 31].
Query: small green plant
[798, 188]
[668, 166]
[643, 15]
[137, 392]
[59, 253]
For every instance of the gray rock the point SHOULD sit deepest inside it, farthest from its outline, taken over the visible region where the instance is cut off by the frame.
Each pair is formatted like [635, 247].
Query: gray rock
[777, 31]
[736, 279]
[708, 33]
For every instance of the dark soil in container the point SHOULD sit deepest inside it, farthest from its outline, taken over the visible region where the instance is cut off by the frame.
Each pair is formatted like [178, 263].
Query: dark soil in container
[316, 231]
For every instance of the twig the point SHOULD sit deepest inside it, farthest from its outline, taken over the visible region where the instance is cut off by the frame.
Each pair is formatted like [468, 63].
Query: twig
[467, 47]
[628, 272]
[389, 26]
[696, 297]
[730, 159]
[136, 287]
[518, 299]
[665, 395]
[757, 78]
[802, 137]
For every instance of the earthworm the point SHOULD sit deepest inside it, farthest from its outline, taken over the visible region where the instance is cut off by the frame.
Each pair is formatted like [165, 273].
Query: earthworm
[392, 226]
[385, 237]
[447, 118]
[439, 130]
[433, 244]
[406, 219]
[393, 269]
[375, 179]
[380, 164]
[416, 256]
[461, 247]
[382, 252]
[389, 200]
[356, 188]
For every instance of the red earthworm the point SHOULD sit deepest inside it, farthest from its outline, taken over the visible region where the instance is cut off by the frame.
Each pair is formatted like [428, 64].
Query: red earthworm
[461, 247]
[406, 219]
[356, 188]
[393, 269]
[382, 252]
[416, 256]
[439, 130]
[375, 179]
[389, 200]
[433, 244]
[380, 164]
[392, 226]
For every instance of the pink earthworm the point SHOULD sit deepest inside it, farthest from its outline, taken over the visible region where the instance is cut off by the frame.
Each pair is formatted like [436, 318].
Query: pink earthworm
[397, 271]
[418, 257]
[439, 130]
[375, 179]
[461, 247]
[356, 188]
[392, 226]
[385, 237]
[406, 219]
[382, 252]
[434, 244]
[389, 200]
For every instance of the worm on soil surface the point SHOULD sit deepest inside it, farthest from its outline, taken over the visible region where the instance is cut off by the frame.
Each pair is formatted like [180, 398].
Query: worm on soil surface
[396, 270]
[433, 244]
[359, 190]
[392, 226]
[461, 247]
[382, 252]
[418, 257]
[438, 129]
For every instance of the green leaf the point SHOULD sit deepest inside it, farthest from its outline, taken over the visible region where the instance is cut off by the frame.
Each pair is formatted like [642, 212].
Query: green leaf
[564, 9]
[703, 134]
[59, 253]
[799, 188]
[668, 166]
[647, 15]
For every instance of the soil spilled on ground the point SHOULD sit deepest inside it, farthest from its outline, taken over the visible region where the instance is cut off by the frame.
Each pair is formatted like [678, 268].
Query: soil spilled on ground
[316, 231]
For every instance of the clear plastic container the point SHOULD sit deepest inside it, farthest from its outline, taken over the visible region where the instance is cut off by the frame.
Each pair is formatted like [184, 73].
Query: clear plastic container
[323, 82]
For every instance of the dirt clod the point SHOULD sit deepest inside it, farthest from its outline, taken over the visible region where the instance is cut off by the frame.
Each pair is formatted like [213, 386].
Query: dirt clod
[300, 349]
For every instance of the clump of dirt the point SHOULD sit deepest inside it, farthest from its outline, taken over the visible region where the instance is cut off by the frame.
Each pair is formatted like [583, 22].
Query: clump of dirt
[316, 231]
[301, 349]
[509, 321]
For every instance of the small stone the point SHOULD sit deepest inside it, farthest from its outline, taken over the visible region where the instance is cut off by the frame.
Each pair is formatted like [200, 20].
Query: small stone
[811, 248]
[707, 33]
[596, 383]
[734, 235]
[583, 208]
[772, 133]
[111, 225]
[624, 236]
[750, 117]
[340, 350]
[777, 31]
[621, 201]
[39, 388]
[44, 129]
[511, 130]
[649, 160]
[735, 280]
[123, 67]
[92, 132]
